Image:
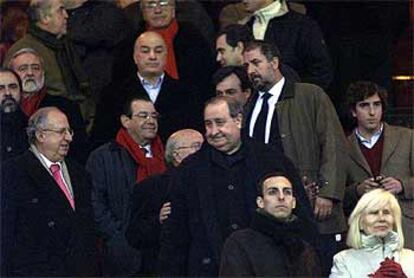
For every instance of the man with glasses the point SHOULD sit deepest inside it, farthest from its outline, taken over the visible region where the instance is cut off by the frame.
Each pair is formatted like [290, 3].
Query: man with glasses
[150, 203]
[47, 218]
[115, 168]
[13, 120]
[29, 65]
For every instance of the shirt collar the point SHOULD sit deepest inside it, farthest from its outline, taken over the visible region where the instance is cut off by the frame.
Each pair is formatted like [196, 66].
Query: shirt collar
[374, 137]
[276, 89]
[48, 162]
[144, 82]
[276, 9]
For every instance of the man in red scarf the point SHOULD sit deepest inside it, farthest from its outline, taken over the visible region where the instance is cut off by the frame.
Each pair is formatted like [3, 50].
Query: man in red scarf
[115, 168]
[29, 65]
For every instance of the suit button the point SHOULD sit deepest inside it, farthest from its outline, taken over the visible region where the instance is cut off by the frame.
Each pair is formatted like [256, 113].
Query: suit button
[230, 187]
[9, 149]
[51, 224]
[282, 135]
[234, 226]
[206, 261]
[35, 200]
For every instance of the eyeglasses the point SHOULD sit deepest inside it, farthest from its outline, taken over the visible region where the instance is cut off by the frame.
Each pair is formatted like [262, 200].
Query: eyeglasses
[154, 4]
[147, 115]
[61, 131]
[195, 146]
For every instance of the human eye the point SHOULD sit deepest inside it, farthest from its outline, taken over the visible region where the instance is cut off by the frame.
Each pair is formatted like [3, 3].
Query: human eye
[220, 122]
[363, 104]
[22, 68]
[219, 93]
[145, 50]
[386, 211]
[272, 191]
[288, 191]
[13, 86]
[2, 88]
[36, 67]
[208, 124]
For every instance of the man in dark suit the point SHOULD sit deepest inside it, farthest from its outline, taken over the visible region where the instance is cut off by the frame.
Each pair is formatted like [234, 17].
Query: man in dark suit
[29, 65]
[47, 219]
[177, 103]
[301, 118]
[213, 193]
[381, 155]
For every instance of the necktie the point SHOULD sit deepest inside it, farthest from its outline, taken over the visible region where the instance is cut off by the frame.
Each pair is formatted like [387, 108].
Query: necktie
[259, 130]
[55, 169]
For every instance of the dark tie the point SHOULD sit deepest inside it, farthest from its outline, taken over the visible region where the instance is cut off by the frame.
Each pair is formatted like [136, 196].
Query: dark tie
[260, 125]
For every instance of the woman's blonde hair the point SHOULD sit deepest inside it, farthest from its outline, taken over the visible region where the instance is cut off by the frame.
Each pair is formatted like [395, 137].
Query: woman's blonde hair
[371, 201]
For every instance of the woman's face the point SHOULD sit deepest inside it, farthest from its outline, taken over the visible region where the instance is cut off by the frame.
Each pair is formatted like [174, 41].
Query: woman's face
[378, 222]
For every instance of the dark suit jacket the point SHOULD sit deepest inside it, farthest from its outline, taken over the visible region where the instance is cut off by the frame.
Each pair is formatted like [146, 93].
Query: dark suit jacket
[191, 238]
[41, 234]
[177, 103]
[397, 161]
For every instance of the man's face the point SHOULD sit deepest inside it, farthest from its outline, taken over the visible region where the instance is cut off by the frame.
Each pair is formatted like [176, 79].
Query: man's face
[186, 145]
[53, 141]
[378, 222]
[226, 54]
[262, 73]
[231, 86]
[150, 54]
[368, 114]
[254, 5]
[277, 197]
[222, 131]
[9, 92]
[30, 70]
[56, 19]
[143, 123]
[158, 13]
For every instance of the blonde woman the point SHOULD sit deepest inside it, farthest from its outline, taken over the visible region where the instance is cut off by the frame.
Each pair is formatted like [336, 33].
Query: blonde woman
[375, 239]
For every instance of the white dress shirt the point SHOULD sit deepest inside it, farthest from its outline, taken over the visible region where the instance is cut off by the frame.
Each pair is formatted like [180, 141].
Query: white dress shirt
[153, 90]
[275, 92]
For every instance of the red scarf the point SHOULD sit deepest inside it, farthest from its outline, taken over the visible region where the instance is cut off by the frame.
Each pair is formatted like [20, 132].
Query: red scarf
[168, 34]
[146, 166]
[31, 103]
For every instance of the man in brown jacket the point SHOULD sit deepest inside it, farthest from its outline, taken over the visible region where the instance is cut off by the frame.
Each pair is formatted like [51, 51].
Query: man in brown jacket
[381, 155]
[300, 118]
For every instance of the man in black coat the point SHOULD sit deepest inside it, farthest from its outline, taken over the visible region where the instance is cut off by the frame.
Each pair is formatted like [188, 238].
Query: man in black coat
[47, 218]
[13, 120]
[213, 193]
[177, 103]
[274, 243]
[29, 65]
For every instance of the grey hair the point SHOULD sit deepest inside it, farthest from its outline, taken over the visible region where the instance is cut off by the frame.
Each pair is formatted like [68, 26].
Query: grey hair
[24, 51]
[38, 9]
[170, 147]
[38, 120]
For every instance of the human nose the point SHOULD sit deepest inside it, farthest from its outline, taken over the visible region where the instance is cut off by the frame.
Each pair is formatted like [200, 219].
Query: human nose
[68, 136]
[372, 110]
[152, 55]
[65, 14]
[218, 57]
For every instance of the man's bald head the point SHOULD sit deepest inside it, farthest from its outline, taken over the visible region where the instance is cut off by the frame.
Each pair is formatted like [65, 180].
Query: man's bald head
[181, 144]
[150, 54]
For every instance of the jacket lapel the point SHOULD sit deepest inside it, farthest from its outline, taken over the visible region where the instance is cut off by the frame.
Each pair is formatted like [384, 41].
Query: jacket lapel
[390, 144]
[356, 154]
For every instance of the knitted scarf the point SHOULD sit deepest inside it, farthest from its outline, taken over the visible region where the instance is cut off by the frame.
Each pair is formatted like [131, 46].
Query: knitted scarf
[147, 166]
[74, 76]
[31, 103]
[168, 34]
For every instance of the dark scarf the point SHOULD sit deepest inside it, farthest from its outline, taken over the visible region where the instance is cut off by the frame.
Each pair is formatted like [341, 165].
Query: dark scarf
[286, 234]
[74, 76]
[146, 166]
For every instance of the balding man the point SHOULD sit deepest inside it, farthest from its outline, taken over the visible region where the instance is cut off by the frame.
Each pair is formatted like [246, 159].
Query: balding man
[65, 75]
[176, 102]
[149, 201]
[47, 218]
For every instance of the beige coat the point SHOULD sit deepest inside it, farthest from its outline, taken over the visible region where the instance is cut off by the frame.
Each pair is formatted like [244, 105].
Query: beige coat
[397, 162]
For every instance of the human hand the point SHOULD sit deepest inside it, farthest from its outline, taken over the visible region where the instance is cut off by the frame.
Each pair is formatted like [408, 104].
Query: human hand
[165, 212]
[392, 185]
[323, 208]
[389, 268]
[311, 188]
[366, 186]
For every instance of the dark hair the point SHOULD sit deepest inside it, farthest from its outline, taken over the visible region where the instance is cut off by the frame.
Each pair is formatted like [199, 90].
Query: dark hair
[239, 71]
[235, 106]
[360, 90]
[259, 185]
[126, 108]
[236, 33]
[38, 9]
[19, 81]
[269, 50]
